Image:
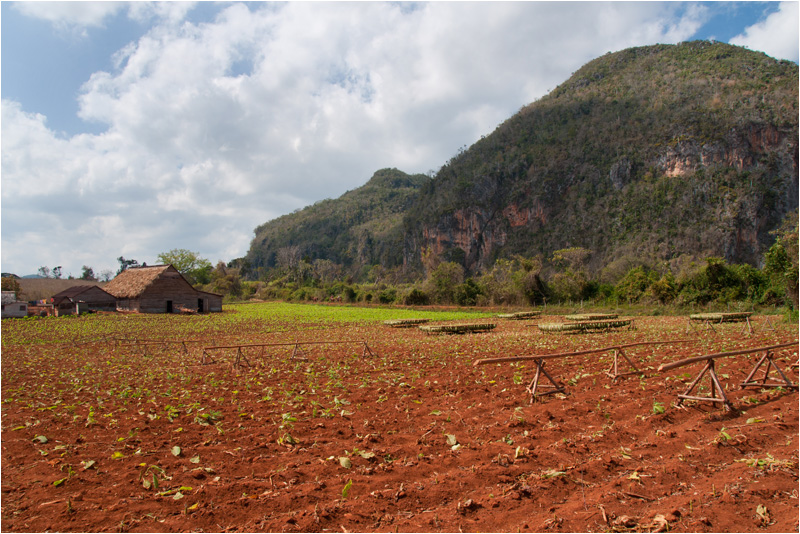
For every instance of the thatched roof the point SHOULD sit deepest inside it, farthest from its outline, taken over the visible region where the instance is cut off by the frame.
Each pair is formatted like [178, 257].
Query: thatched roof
[132, 282]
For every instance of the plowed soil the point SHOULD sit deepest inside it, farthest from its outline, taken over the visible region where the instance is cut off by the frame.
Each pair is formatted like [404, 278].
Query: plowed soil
[407, 436]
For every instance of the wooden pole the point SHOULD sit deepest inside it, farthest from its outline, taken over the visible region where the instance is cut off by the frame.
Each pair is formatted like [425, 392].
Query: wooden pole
[680, 363]
[763, 383]
[534, 385]
[716, 386]
[576, 353]
[615, 367]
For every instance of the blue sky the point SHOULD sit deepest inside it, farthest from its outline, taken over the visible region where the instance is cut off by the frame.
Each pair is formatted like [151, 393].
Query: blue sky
[134, 128]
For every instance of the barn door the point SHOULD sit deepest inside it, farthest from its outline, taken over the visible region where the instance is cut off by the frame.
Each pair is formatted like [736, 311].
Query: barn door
[169, 306]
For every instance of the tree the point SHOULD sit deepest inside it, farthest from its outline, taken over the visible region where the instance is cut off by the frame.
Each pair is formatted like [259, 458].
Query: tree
[326, 271]
[47, 272]
[288, 258]
[430, 261]
[124, 264]
[226, 280]
[189, 264]
[87, 273]
[572, 283]
[499, 282]
[11, 284]
[443, 281]
[572, 259]
[106, 275]
[781, 260]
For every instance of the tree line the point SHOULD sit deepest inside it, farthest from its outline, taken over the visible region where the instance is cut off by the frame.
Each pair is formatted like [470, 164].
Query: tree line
[562, 278]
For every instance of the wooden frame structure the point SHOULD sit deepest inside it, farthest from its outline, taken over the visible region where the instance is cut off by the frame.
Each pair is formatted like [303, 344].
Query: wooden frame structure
[519, 316]
[241, 358]
[709, 319]
[473, 328]
[718, 392]
[405, 323]
[587, 326]
[554, 386]
[583, 317]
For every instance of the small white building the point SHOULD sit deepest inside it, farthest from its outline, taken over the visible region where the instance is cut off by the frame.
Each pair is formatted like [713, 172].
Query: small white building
[13, 307]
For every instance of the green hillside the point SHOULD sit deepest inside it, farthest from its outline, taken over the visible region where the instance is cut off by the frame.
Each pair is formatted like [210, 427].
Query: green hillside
[362, 227]
[651, 153]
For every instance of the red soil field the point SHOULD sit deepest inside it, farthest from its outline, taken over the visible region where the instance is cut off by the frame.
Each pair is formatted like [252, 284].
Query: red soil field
[412, 438]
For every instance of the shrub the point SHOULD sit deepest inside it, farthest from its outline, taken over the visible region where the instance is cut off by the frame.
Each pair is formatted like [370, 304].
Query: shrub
[349, 294]
[467, 294]
[635, 283]
[416, 297]
[664, 290]
[387, 296]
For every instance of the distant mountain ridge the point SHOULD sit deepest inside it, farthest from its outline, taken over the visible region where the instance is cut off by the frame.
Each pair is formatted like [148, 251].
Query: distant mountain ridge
[363, 226]
[651, 152]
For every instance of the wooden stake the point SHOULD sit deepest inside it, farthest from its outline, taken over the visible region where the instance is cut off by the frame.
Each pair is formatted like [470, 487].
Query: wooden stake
[716, 386]
[615, 367]
[239, 357]
[296, 350]
[747, 326]
[767, 358]
[554, 386]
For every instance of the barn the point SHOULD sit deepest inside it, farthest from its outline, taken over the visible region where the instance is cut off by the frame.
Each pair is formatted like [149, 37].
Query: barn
[160, 289]
[79, 299]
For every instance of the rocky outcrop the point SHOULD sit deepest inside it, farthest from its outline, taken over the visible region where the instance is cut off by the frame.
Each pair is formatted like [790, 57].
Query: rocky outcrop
[740, 151]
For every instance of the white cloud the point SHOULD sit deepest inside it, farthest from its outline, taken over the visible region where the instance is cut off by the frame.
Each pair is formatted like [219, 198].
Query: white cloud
[73, 17]
[776, 35]
[215, 128]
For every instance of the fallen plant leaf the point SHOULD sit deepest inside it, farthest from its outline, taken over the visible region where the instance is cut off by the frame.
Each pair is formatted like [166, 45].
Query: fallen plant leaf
[763, 515]
[660, 524]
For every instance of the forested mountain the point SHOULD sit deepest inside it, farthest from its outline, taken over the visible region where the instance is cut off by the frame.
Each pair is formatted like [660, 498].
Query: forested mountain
[362, 227]
[649, 153]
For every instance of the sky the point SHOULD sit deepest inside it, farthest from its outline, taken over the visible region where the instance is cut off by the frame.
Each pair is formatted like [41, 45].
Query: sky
[131, 129]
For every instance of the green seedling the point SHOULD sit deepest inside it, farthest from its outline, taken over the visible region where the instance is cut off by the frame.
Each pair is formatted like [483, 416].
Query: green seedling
[149, 476]
[346, 489]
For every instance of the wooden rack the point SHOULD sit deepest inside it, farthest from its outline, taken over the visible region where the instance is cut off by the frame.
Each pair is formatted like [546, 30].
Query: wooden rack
[718, 392]
[554, 386]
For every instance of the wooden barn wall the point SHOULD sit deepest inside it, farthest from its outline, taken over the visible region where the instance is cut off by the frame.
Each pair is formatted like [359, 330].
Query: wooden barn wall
[128, 304]
[98, 300]
[214, 301]
[169, 286]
